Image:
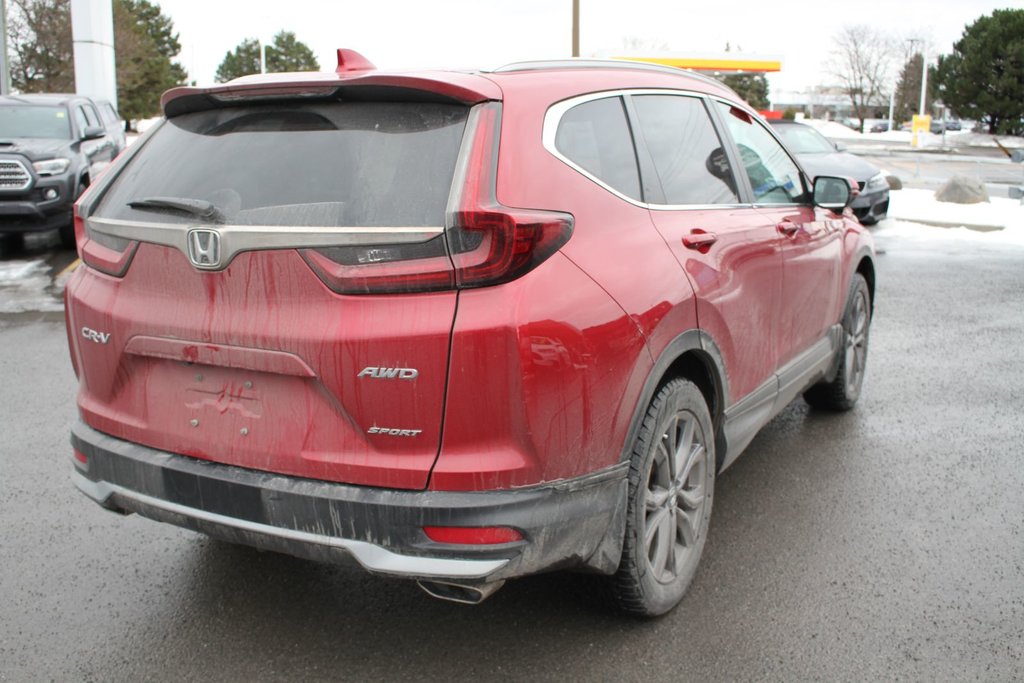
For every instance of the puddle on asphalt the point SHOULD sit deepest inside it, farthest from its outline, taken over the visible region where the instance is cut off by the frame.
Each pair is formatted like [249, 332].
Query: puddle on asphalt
[28, 286]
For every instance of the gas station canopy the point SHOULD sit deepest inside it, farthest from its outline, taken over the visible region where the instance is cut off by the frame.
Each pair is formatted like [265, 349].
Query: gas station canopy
[720, 63]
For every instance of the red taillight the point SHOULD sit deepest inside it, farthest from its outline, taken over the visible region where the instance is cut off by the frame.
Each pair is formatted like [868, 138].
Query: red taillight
[484, 242]
[491, 243]
[472, 535]
[110, 255]
[80, 456]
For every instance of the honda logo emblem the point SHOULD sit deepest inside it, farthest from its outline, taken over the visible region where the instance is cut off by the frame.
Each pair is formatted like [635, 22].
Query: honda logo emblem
[204, 248]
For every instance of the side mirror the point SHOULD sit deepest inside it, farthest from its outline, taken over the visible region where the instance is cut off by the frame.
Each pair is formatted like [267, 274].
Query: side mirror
[93, 133]
[832, 193]
[840, 147]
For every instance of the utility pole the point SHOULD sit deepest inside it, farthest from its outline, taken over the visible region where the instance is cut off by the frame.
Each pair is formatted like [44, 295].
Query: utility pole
[575, 28]
[5, 65]
[924, 75]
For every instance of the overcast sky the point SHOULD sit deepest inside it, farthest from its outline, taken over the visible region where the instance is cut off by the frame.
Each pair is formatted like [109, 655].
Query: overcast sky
[489, 33]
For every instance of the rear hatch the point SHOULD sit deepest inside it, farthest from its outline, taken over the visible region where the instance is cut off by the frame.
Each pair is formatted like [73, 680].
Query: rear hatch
[269, 287]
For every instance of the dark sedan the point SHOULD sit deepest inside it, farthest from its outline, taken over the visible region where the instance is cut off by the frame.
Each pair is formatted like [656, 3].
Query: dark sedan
[820, 156]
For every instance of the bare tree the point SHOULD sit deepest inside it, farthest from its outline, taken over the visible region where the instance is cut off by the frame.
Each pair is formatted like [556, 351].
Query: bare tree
[39, 36]
[862, 60]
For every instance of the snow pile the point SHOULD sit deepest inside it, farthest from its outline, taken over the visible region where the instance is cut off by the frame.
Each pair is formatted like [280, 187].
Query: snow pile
[917, 215]
[24, 287]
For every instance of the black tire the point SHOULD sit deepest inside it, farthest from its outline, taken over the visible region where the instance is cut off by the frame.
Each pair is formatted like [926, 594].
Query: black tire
[669, 506]
[842, 392]
[11, 242]
[67, 235]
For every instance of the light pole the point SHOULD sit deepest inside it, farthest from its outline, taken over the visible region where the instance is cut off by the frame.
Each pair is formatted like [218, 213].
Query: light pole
[575, 28]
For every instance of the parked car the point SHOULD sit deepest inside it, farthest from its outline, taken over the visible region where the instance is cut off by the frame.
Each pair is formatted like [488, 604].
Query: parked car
[457, 326]
[880, 127]
[50, 146]
[820, 156]
[938, 126]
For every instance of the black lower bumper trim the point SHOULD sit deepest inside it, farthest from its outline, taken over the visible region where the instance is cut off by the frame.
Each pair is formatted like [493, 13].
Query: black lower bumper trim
[570, 523]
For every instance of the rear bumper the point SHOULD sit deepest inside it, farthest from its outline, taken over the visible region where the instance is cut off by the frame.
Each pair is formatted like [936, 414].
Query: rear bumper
[573, 523]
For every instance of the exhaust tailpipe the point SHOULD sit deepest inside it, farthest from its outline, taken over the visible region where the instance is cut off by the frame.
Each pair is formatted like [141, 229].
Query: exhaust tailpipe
[463, 593]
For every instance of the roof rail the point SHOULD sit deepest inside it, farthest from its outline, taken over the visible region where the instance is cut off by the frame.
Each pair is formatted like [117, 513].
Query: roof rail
[541, 65]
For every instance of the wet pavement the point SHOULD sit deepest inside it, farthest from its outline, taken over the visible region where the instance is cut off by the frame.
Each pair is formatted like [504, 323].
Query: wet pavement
[883, 543]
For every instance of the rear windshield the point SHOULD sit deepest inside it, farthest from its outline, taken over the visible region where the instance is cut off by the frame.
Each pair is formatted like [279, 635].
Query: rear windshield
[34, 122]
[333, 164]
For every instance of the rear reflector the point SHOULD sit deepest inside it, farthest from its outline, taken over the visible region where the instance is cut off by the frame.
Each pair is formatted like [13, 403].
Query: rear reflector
[471, 535]
[80, 457]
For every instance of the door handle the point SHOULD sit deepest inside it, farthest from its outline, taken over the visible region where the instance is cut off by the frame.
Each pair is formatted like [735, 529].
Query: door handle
[787, 227]
[700, 240]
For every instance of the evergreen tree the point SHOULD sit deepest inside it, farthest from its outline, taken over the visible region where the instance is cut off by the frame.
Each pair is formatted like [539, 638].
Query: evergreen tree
[286, 53]
[290, 54]
[242, 61]
[984, 75]
[753, 88]
[145, 43]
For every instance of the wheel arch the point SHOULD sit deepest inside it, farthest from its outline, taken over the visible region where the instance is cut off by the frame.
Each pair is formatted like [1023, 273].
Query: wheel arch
[694, 356]
[866, 268]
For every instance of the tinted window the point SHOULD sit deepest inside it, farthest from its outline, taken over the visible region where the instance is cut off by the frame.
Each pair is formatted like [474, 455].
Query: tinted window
[773, 176]
[687, 153]
[80, 119]
[108, 113]
[34, 122]
[595, 136]
[337, 164]
[91, 116]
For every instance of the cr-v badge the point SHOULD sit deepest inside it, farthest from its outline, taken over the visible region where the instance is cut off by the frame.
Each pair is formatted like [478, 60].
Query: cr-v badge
[204, 248]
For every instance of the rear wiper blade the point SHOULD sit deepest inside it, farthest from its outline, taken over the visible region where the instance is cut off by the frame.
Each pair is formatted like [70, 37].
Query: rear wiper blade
[199, 208]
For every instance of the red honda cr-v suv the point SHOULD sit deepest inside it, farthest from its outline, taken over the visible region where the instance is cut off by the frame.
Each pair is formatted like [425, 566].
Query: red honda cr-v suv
[458, 326]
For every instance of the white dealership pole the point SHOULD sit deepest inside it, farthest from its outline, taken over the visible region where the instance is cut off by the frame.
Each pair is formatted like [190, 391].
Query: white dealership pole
[5, 66]
[92, 32]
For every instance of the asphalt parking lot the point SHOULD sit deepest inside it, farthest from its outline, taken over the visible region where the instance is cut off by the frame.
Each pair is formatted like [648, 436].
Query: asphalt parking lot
[885, 543]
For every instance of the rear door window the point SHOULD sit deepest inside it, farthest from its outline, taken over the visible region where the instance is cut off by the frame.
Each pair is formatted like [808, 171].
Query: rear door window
[359, 164]
[687, 154]
[595, 136]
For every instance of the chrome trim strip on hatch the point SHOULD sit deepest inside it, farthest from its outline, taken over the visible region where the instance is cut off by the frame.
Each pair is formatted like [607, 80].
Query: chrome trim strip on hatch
[234, 239]
[373, 557]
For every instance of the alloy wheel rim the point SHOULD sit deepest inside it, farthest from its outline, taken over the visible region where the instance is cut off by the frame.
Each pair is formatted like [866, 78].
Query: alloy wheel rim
[675, 497]
[856, 345]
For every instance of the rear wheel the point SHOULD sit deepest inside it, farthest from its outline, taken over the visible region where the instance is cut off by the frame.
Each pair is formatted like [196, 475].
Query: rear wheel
[671, 482]
[843, 391]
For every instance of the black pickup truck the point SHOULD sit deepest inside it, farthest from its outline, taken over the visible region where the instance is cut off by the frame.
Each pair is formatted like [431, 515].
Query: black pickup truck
[50, 147]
